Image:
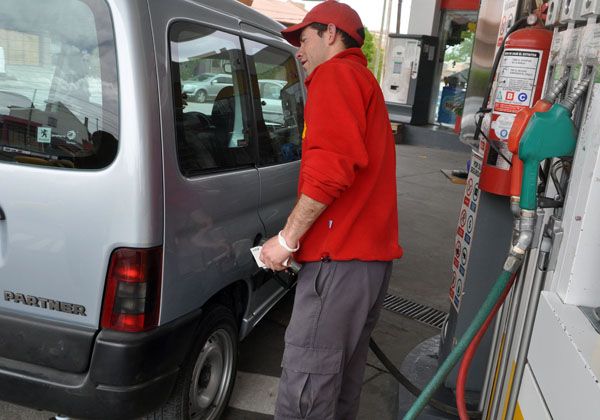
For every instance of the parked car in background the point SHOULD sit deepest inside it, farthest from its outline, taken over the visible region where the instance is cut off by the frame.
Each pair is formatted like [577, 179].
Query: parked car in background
[270, 95]
[206, 86]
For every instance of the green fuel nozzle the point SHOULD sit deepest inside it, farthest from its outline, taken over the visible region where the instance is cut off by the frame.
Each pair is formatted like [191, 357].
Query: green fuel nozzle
[548, 135]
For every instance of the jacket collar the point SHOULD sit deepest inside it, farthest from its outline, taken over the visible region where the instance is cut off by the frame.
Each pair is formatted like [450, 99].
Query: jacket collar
[352, 54]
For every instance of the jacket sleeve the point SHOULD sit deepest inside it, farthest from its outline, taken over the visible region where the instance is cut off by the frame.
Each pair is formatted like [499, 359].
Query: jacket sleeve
[334, 148]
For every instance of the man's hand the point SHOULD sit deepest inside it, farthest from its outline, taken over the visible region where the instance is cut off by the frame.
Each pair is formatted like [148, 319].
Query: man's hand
[274, 255]
[300, 220]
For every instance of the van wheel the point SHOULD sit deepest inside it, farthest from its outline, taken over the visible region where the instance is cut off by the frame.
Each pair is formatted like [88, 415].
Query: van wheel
[200, 96]
[205, 382]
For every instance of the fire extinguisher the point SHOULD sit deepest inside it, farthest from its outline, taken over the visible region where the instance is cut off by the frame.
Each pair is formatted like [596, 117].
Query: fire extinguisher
[519, 83]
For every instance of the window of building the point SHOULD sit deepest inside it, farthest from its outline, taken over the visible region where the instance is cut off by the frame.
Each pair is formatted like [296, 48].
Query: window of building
[278, 102]
[210, 98]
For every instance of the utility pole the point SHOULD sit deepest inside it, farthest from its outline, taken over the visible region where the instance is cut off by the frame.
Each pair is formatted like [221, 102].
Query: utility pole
[398, 16]
[385, 30]
[380, 40]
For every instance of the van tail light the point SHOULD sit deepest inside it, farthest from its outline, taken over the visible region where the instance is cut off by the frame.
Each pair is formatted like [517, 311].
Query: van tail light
[132, 295]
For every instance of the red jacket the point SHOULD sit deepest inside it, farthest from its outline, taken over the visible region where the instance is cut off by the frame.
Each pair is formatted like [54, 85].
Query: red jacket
[349, 164]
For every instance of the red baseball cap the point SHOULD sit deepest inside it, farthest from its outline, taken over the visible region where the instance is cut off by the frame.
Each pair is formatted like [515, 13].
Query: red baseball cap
[331, 11]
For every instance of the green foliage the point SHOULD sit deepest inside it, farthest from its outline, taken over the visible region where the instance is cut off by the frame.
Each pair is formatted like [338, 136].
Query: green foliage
[188, 69]
[369, 49]
[462, 52]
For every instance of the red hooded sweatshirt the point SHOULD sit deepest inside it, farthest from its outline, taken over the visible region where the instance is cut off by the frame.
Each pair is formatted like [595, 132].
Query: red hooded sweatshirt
[349, 164]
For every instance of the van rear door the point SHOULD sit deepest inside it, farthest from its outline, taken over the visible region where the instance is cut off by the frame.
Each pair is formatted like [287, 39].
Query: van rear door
[71, 191]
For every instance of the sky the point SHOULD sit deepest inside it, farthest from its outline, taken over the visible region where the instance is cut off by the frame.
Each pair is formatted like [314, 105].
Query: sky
[371, 12]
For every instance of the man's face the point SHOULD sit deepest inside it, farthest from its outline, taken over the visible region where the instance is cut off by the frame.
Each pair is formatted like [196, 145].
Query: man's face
[313, 49]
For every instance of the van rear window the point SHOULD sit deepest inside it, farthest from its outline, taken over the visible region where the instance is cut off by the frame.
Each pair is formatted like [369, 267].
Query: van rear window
[58, 84]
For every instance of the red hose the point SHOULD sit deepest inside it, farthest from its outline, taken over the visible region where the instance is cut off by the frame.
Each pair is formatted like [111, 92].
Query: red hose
[461, 380]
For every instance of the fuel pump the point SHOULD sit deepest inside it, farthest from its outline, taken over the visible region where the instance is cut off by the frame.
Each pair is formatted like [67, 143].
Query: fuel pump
[537, 143]
[519, 83]
[520, 124]
[548, 135]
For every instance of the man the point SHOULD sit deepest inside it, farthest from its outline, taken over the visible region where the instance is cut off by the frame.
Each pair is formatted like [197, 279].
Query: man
[344, 227]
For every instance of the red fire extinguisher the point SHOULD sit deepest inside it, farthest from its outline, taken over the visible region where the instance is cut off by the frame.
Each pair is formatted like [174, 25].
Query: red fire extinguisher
[519, 83]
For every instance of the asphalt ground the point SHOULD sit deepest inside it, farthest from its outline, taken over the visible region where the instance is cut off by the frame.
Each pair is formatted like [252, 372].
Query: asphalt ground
[428, 206]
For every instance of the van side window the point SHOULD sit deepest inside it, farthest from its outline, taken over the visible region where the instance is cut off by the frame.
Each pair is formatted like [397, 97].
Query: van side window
[277, 91]
[210, 100]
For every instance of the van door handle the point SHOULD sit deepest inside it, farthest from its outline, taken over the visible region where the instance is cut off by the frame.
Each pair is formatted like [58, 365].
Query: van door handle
[2, 215]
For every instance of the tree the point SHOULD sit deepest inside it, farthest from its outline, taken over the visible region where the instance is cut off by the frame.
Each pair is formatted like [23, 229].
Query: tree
[369, 49]
[461, 53]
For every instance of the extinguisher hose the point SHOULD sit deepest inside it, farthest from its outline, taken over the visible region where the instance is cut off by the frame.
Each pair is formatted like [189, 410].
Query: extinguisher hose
[412, 388]
[461, 380]
[461, 346]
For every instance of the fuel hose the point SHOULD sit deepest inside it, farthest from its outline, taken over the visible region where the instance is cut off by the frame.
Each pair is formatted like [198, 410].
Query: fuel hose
[461, 346]
[463, 372]
[412, 388]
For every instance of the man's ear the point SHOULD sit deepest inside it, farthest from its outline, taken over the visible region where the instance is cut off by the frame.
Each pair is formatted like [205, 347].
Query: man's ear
[331, 33]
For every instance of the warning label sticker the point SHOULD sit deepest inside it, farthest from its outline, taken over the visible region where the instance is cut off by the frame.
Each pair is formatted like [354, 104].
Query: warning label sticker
[466, 225]
[508, 19]
[503, 124]
[516, 81]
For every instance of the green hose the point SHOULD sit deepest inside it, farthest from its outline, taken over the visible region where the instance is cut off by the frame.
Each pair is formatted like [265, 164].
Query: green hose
[460, 348]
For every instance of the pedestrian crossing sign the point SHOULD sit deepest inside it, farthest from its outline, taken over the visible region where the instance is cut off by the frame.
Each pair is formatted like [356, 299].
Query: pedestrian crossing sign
[44, 134]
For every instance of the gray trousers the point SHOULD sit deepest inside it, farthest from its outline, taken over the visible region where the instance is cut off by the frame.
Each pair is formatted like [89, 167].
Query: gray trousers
[336, 307]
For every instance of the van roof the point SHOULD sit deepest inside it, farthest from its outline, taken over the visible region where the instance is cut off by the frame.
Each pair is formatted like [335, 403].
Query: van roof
[237, 9]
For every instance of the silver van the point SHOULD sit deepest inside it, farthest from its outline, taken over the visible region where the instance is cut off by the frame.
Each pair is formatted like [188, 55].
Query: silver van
[127, 208]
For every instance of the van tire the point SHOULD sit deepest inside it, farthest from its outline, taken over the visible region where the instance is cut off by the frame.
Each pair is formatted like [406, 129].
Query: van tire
[217, 342]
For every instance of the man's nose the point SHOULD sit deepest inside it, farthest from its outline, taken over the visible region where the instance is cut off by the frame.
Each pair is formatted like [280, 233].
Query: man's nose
[298, 54]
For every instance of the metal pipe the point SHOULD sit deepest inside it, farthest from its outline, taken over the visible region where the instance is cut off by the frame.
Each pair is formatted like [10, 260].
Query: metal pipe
[510, 330]
[534, 299]
[500, 324]
[386, 37]
[556, 89]
[489, 370]
[516, 255]
[398, 16]
[579, 89]
[527, 227]
[515, 209]
[497, 354]
[379, 44]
